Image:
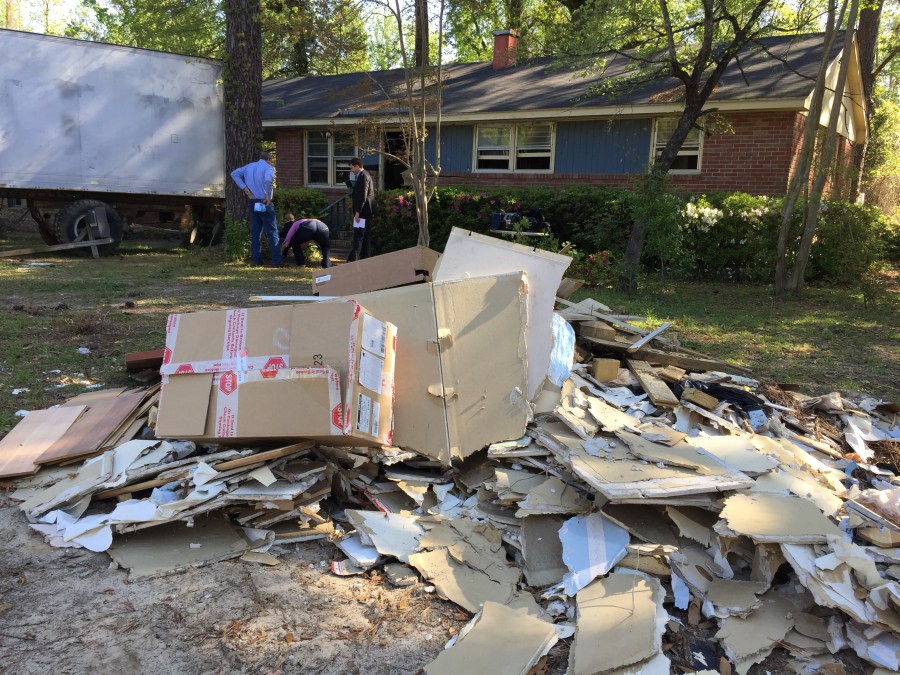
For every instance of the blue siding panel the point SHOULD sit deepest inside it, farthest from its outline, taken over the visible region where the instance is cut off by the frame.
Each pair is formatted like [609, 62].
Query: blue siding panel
[456, 147]
[603, 146]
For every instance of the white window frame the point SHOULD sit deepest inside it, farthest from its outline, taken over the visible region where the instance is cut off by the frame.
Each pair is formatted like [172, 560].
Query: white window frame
[333, 163]
[656, 146]
[513, 147]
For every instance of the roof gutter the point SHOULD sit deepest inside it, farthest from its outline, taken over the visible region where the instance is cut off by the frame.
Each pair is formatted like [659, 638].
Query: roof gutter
[640, 110]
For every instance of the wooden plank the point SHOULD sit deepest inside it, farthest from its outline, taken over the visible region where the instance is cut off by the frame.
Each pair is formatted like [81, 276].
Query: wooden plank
[649, 336]
[671, 373]
[31, 437]
[657, 390]
[94, 243]
[670, 358]
[700, 398]
[568, 286]
[265, 456]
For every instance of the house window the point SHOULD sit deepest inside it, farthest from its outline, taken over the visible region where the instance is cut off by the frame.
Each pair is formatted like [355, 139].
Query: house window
[688, 158]
[515, 147]
[328, 155]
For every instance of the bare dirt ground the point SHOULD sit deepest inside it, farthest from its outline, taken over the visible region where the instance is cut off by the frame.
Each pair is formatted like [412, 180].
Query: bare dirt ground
[67, 611]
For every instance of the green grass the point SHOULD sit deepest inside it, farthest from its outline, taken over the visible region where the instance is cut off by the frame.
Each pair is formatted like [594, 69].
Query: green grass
[825, 341]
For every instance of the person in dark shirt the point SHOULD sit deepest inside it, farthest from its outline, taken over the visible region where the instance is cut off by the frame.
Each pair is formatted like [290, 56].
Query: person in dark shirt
[363, 211]
[296, 233]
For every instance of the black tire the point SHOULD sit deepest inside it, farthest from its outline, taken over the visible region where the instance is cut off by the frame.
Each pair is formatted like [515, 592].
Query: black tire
[47, 228]
[74, 217]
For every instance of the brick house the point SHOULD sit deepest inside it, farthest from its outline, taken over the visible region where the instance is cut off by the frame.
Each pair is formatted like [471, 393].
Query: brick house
[508, 123]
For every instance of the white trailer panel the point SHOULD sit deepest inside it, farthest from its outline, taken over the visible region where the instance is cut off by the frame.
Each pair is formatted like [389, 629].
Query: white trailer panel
[77, 115]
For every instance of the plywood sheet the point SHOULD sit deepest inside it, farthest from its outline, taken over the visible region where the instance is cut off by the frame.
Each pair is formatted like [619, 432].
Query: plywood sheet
[87, 435]
[30, 438]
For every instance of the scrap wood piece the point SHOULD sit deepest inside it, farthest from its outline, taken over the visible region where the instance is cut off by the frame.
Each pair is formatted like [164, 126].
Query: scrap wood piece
[771, 518]
[694, 363]
[150, 360]
[649, 336]
[699, 398]
[721, 421]
[620, 622]
[32, 436]
[671, 373]
[485, 644]
[568, 286]
[657, 390]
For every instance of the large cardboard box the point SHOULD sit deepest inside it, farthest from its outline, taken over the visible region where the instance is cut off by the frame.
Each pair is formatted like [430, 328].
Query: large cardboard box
[469, 254]
[461, 363]
[400, 268]
[323, 371]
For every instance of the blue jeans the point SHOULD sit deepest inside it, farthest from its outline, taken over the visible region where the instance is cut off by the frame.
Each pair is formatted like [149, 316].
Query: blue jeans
[259, 221]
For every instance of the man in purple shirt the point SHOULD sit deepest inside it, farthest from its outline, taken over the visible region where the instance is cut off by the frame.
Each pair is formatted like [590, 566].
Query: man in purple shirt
[256, 180]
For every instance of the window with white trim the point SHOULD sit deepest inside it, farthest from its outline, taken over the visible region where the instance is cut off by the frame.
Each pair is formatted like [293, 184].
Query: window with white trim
[328, 155]
[515, 147]
[688, 158]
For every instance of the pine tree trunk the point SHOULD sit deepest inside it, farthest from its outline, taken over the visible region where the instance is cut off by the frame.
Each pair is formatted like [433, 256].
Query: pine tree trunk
[867, 40]
[243, 96]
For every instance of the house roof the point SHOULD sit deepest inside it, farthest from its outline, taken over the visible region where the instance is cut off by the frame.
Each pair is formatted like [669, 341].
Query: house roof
[777, 70]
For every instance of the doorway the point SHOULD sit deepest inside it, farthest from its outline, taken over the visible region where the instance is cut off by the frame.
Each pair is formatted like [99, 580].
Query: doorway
[394, 144]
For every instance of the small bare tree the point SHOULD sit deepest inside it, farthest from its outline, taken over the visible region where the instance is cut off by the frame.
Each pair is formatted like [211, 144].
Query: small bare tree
[420, 95]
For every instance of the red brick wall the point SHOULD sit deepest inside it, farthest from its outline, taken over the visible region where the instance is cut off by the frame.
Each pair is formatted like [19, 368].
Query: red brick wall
[757, 157]
[289, 157]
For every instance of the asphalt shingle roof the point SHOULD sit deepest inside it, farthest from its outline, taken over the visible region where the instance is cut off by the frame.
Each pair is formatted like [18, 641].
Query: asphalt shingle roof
[777, 68]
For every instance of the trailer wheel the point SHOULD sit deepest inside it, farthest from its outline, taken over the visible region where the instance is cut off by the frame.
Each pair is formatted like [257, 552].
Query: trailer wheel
[75, 217]
[46, 227]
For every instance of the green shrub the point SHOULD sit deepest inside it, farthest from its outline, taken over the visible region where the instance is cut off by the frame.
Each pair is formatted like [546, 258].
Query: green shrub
[849, 242]
[302, 202]
[236, 239]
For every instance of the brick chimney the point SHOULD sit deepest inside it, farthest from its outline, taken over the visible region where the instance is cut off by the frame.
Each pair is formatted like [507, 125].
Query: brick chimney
[505, 48]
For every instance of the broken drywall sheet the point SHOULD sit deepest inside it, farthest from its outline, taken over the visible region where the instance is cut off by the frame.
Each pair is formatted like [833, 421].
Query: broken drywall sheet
[828, 588]
[644, 522]
[737, 452]
[515, 484]
[487, 647]
[542, 550]
[618, 478]
[729, 597]
[790, 480]
[749, 640]
[620, 622]
[361, 555]
[477, 545]
[392, 534]
[592, 545]
[468, 254]
[176, 546]
[467, 587]
[553, 496]
[777, 519]
[696, 568]
[694, 523]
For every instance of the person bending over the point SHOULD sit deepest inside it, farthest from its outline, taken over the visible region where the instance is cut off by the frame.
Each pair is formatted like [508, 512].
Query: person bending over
[297, 233]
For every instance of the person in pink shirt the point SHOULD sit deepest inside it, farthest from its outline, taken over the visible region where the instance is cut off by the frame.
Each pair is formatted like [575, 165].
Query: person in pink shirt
[295, 234]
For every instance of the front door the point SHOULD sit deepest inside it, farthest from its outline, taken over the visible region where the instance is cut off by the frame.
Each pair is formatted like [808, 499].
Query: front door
[393, 168]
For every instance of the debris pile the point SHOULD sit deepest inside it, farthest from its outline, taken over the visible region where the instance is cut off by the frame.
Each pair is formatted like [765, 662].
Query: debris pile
[616, 494]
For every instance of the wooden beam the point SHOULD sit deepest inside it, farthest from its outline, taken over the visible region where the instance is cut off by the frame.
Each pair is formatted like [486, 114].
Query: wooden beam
[657, 390]
[93, 243]
[649, 336]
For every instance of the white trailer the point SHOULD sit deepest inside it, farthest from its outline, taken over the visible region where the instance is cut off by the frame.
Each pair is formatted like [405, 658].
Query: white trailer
[97, 136]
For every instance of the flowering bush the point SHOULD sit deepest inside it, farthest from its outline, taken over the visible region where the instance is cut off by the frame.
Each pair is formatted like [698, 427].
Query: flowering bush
[599, 270]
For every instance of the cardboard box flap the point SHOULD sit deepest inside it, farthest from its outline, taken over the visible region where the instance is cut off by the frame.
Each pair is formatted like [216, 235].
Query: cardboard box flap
[468, 254]
[419, 419]
[483, 361]
[389, 270]
[186, 404]
[264, 414]
[234, 339]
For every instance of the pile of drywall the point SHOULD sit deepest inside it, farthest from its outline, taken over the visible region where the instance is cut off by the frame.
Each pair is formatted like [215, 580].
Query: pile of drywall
[614, 494]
